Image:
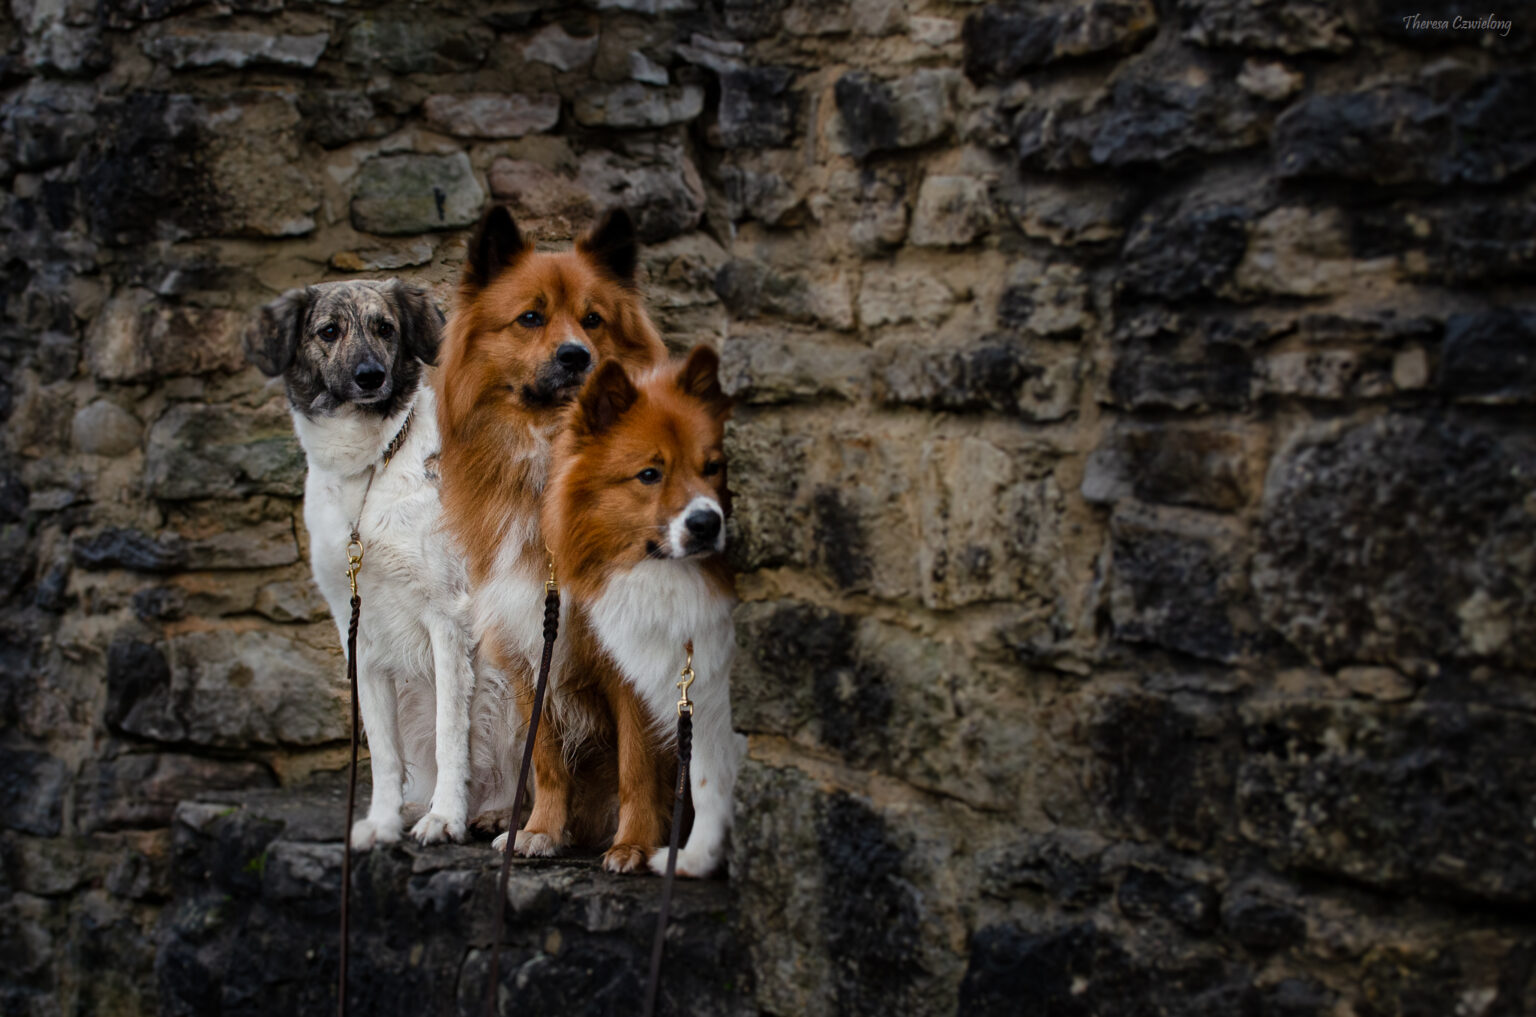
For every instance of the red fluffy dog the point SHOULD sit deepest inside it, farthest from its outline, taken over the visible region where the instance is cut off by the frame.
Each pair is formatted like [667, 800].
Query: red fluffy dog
[528, 330]
[635, 516]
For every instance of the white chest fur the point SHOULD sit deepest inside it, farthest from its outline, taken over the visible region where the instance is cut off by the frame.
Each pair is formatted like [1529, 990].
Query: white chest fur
[645, 616]
[396, 511]
[643, 619]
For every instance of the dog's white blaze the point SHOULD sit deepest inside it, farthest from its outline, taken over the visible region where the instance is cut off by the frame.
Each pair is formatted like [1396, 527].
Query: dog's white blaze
[677, 529]
[643, 618]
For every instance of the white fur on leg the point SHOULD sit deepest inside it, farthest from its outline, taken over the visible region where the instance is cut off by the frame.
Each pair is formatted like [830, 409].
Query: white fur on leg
[717, 754]
[368, 832]
[376, 706]
[455, 683]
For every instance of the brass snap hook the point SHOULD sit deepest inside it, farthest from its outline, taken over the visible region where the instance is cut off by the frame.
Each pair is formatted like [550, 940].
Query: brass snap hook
[684, 707]
[354, 560]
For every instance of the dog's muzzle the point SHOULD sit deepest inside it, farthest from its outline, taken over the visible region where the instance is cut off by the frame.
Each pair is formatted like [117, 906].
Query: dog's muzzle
[698, 529]
[370, 382]
[560, 377]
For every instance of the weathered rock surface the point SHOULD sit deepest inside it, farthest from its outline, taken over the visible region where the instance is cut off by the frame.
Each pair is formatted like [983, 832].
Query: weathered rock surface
[170, 166]
[1331, 787]
[751, 289]
[1398, 135]
[759, 107]
[636, 104]
[1004, 40]
[950, 212]
[204, 451]
[657, 181]
[1156, 111]
[1420, 589]
[236, 49]
[334, 117]
[489, 115]
[541, 199]
[439, 45]
[136, 340]
[562, 51]
[143, 789]
[32, 792]
[1198, 466]
[1178, 583]
[994, 374]
[1490, 357]
[761, 368]
[880, 116]
[1298, 26]
[257, 877]
[402, 194]
[229, 689]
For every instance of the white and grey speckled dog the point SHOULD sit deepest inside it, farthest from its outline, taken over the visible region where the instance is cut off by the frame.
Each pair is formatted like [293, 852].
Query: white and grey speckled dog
[353, 357]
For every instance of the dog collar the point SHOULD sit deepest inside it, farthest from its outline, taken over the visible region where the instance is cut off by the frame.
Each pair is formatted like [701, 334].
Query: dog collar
[399, 438]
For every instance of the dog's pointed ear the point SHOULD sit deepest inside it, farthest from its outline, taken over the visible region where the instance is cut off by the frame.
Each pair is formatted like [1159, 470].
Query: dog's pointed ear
[495, 244]
[272, 337]
[699, 378]
[606, 397]
[611, 245]
[421, 323]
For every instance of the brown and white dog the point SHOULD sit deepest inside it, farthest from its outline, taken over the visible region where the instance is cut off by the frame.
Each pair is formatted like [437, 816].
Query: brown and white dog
[528, 329]
[353, 358]
[635, 515]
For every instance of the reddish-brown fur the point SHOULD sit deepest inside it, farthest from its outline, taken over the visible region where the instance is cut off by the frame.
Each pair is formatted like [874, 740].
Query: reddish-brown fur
[599, 518]
[495, 455]
[596, 517]
[490, 470]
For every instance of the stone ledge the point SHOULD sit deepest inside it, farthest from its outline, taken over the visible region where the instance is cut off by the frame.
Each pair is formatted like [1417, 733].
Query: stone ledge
[252, 924]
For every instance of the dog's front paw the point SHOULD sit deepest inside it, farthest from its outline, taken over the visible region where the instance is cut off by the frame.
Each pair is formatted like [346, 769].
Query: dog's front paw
[624, 858]
[434, 829]
[368, 832]
[530, 844]
[690, 864]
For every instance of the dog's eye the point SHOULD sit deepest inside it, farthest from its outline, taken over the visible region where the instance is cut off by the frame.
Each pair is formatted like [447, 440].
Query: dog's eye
[713, 467]
[530, 319]
[385, 330]
[592, 320]
[649, 475]
[329, 331]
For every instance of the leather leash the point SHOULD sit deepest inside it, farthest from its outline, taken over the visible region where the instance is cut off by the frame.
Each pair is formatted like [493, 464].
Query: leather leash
[684, 757]
[551, 630]
[354, 565]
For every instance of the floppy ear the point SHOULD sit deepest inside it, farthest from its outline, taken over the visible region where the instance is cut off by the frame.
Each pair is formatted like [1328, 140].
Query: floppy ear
[421, 323]
[496, 243]
[700, 378]
[272, 337]
[606, 396]
[611, 245]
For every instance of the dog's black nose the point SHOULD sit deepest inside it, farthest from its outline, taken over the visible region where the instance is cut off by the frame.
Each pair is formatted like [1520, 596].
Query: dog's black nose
[369, 375]
[703, 526]
[574, 357]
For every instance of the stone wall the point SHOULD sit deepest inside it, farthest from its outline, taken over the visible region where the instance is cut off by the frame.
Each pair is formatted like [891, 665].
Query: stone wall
[1133, 469]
